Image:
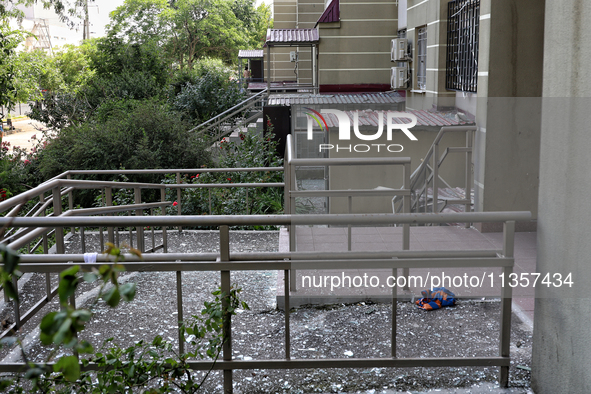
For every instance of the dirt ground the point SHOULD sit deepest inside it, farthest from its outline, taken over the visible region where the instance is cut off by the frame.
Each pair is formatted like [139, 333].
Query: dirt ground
[360, 330]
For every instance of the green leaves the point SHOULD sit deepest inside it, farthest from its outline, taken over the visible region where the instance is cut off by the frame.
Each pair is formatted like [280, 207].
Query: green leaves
[121, 369]
[128, 132]
[10, 260]
[194, 99]
[127, 291]
[10, 39]
[188, 30]
[68, 283]
[61, 328]
[69, 367]
[112, 297]
[208, 328]
[6, 280]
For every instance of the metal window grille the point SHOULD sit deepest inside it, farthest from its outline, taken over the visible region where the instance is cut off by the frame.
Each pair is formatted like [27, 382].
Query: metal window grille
[463, 19]
[422, 58]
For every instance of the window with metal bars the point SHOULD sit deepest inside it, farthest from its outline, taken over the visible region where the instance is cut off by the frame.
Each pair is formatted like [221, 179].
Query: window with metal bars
[463, 19]
[422, 58]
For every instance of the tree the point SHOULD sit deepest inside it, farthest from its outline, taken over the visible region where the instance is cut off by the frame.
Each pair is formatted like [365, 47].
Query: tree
[74, 65]
[34, 71]
[104, 69]
[190, 29]
[9, 40]
[256, 20]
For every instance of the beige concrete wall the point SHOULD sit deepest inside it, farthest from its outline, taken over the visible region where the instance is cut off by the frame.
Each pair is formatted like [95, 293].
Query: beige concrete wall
[433, 15]
[357, 50]
[510, 56]
[294, 14]
[308, 13]
[508, 107]
[561, 341]
[284, 17]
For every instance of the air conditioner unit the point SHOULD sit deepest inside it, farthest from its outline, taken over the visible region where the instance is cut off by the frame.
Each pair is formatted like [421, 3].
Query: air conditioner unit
[398, 51]
[398, 77]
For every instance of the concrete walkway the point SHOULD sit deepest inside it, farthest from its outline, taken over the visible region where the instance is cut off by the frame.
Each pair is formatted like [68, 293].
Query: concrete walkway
[464, 282]
[26, 128]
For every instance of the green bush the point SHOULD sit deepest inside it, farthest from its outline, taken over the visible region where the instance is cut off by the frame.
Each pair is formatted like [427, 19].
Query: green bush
[112, 71]
[127, 134]
[12, 170]
[153, 367]
[206, 91]
[253, 150]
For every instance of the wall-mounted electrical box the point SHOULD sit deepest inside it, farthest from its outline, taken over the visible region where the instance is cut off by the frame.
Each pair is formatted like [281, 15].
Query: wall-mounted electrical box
[293, 56]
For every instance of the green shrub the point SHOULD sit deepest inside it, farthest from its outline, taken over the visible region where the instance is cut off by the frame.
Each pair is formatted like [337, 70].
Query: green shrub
[12, 170]
[128, 134]
[113, 71]
[205, 91]
[253, 150]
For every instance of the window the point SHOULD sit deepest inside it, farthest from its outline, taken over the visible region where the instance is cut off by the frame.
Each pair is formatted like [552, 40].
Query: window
[422, 58]
[463, 17]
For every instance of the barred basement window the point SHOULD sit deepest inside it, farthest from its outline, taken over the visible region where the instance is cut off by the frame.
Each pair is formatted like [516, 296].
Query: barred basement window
[463, 20]
[422, 58]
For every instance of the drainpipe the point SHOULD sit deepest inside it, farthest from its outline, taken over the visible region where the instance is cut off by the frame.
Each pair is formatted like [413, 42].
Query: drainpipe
[268, 70]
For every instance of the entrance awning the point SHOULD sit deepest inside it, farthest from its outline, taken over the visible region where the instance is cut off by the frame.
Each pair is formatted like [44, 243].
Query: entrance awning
[293, 38]
[250, 54]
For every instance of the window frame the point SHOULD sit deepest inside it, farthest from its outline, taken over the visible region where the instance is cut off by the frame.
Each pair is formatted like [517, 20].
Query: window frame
[421, 55]
[463, 25]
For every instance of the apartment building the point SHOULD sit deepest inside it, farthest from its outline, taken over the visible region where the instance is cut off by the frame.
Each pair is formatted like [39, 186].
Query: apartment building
[294, 63]
[354, 49]
[518, 68]
[48, 32]
[480, 58]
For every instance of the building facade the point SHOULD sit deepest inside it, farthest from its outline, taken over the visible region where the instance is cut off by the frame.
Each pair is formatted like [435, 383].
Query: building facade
[480, 58]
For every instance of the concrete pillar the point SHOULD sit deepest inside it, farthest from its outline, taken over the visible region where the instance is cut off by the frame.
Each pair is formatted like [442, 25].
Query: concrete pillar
[562, 344]
[508, 107]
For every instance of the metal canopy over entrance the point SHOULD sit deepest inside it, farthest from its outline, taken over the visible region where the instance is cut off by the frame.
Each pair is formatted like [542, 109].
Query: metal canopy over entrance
[254, 61]
[293, 38]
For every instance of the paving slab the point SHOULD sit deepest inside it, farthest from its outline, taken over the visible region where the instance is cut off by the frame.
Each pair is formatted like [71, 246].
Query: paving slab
[334, 286]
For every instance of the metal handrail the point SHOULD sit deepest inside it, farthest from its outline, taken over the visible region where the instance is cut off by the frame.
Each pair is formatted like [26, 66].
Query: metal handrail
[218, 119]
[58, 182]
[420, 172]
[240, 124]
[273, 220]
[291, 191]
[64, 185]
[225, 262]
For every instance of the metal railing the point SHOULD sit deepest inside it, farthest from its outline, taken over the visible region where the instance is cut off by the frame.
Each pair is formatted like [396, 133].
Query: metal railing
[50, 193]
[225, 123]
[66, 185]
[36, 225]
[225, 262]
[291, 191]
[428, 173]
